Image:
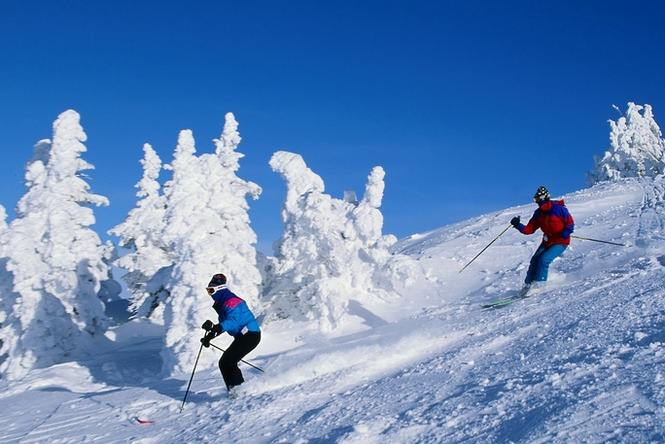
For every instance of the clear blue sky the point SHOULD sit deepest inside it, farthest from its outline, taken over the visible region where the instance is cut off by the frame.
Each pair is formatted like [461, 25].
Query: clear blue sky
[469, 106]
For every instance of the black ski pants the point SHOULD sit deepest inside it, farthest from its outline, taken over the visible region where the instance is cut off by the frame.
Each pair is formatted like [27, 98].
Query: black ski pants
[228, 363]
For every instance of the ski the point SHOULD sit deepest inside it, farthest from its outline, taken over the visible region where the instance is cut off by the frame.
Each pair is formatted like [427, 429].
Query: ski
[499, 303]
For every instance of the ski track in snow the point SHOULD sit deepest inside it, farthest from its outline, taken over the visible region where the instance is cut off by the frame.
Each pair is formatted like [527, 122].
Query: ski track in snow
[580, 362]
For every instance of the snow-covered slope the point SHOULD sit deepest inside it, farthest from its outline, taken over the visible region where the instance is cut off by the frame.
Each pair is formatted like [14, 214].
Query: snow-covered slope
[582, 361]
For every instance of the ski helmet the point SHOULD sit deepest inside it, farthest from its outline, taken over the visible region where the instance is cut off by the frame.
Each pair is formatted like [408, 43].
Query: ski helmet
[217, 280]
[541, 194]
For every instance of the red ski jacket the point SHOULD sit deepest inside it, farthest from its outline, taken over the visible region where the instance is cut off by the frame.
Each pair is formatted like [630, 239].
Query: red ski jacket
[553, 218]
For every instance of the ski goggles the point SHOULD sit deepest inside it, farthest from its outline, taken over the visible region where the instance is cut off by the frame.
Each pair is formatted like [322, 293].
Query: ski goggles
[212, 290]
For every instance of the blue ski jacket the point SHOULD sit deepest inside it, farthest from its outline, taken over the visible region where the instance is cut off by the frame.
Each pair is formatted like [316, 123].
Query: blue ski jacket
[235, 317]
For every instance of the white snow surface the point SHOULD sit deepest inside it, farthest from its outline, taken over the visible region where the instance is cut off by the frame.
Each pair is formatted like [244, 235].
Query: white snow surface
[580, 362]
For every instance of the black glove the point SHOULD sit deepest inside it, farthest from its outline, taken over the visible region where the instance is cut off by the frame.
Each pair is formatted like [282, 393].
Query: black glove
[207, 325]
[515, 221]
[207, 338]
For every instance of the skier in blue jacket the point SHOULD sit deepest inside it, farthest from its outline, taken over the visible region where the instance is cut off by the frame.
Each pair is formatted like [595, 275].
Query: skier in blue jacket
[236, 319]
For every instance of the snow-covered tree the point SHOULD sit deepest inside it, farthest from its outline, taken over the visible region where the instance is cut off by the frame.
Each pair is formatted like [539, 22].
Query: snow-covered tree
[332, 250]
[6, 295]
[207, 230]
[3, 226]
[234, 241]
[110, 291]
[637, 147]
[55, 258]
[142, 234]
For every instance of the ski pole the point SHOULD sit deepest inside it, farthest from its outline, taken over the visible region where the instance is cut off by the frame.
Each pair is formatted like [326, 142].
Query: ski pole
[598, 240]
[242, 360]
[488, 245]
[191, 378]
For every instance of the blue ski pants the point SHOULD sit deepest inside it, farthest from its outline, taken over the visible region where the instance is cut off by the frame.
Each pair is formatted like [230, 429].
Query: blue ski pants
[541, 260]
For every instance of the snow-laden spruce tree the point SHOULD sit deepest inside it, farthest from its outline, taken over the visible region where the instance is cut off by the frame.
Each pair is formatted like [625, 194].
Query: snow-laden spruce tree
[208, 231]
[637, 147]
[7, 295]
[142, 234]
[6, 281]
[3, 230]
[234, 241]
[55, 258]
[332, 250]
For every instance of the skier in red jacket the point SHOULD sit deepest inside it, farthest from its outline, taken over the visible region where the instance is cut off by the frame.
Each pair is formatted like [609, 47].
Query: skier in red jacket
[556, 223]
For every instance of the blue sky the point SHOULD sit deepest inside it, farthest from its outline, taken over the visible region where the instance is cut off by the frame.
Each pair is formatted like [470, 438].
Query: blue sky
[468, 106]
